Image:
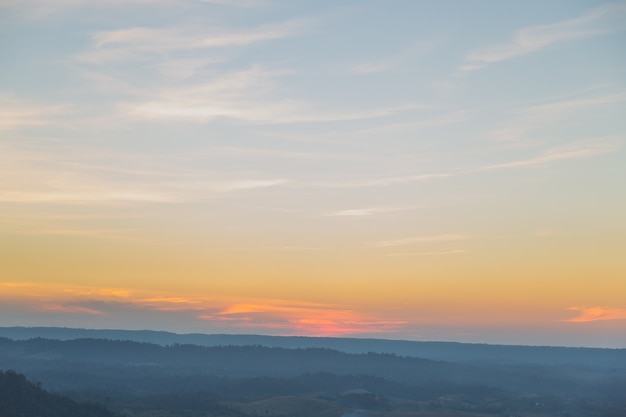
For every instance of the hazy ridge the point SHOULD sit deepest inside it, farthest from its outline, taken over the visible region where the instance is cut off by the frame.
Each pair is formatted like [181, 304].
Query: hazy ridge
[250, 376]
[444, 351]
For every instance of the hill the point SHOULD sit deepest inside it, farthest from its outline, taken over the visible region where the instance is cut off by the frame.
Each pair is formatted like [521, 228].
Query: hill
[22, 398]
[146, 379]
[440, 351]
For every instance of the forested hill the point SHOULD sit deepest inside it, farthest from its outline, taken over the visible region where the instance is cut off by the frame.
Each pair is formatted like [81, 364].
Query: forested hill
[442, 351]
[201, 381]
[22, 398]
[73, 363]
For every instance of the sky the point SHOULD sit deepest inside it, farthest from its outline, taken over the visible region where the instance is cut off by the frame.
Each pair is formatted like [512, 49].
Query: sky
[418, 170]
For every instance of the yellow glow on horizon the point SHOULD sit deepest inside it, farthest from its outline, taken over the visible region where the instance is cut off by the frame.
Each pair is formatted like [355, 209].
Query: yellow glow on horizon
[319, 288]
[293, 317]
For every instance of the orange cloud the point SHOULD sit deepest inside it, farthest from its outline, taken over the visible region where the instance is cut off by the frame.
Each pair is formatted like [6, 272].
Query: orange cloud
[293, 317]
[104, 292]
[172, 303]
[306, 319]
[50, 290]
[72, 309]
[588, 314]
[248, 308]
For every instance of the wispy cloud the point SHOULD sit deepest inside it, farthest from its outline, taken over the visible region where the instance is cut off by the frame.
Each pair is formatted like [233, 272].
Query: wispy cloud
[184, 68]
[576, 150]
[137, 42]
[421, 239]
[246, 184]
[302, 319]
[17, 113]
[248, 95]
[605, 19]
[571, 151]
[82, 232]
[98, 292]
[208, 108]
[437, 121]
[384, 181]
[430, 253]
[529, 122]
[30, 176]
[590, 314]
[268, 153]
[109, 197]
[287, 317]
[71, 309]
[34, 176]
[108, 192]
[369, 211]
[205, 90]
[565, 107]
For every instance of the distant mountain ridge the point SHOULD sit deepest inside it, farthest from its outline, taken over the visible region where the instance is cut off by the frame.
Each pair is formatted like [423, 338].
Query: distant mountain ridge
[442, 351]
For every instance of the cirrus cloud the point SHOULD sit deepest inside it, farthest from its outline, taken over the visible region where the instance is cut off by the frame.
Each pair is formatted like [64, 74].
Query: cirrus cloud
[599, 21]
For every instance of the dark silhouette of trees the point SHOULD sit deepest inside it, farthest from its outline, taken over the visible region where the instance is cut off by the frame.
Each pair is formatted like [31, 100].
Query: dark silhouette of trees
[22, 398]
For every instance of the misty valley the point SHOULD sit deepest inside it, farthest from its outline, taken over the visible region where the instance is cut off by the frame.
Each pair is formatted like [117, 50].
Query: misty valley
[49, 372]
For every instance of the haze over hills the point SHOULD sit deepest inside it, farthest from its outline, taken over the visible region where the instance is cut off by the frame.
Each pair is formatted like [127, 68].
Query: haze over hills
[142, 379]
[149, 374]
[443, 351]
[22, 398]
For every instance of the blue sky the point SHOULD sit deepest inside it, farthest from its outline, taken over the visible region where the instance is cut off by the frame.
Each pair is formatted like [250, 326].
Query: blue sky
[277, 149]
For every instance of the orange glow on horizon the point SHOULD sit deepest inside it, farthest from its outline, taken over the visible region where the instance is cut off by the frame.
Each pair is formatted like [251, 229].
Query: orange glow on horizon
[101, 306]
[289, 316]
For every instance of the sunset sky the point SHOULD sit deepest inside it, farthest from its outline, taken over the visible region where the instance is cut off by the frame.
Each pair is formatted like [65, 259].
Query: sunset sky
[423, 170]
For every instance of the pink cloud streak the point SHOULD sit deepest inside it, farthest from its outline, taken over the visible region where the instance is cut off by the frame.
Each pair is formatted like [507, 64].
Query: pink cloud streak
[589, 314]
